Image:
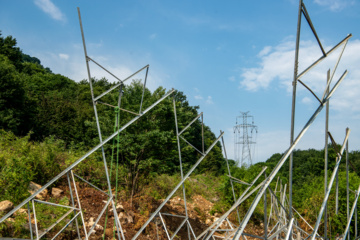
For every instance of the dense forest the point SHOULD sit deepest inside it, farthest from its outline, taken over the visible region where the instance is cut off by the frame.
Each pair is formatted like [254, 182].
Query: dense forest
[38, 103]
[47, 122]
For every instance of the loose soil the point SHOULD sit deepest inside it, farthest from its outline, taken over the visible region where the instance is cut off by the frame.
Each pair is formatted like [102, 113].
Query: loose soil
[134, 214]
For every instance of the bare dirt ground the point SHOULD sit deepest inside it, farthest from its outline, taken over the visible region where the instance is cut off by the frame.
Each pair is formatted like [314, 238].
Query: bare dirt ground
[133, 215]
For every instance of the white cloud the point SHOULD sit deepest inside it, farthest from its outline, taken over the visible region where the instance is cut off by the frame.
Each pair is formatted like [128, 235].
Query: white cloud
[209, 100]
[265, 51]
[276, 68]
[276, 65]
[335, 5]
[48, 7]
[198, 97]
[64, 56]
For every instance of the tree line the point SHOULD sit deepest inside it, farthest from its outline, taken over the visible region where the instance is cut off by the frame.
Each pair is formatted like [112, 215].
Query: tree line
[53, 116]
[36, 102]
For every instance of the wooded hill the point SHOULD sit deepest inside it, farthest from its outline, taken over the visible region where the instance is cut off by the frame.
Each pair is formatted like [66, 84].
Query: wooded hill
[47, 121]
[37, 102]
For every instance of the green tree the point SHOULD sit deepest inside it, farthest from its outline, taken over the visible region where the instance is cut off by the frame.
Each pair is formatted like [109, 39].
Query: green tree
[9, 49]
[12, 97]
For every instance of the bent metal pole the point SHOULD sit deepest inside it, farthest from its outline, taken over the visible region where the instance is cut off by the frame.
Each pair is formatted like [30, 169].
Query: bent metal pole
[283, 159]
[84, 157]
[98, 127]
[293, 104]
[351, 214]
[177, 186]
[334, 174]
[240, 200]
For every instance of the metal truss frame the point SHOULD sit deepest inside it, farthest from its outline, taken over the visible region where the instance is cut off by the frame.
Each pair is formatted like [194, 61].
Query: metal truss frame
[203, 154]
[286, 221]
[68, 171]
[180, 184]
[111, 198]
[281, 209]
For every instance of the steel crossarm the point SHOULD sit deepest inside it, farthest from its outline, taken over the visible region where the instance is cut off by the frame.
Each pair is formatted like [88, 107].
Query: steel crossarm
[283, 159]
[336, 168]
[177, 187]
[241, 199]
[351, 214]
[289, 229]
[187, 126]
[84, 157]
[323, 57]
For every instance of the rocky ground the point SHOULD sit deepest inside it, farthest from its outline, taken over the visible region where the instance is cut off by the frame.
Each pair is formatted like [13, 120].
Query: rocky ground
[132, 214]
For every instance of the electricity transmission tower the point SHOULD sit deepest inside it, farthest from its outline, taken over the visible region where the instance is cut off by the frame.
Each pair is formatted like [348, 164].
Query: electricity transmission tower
[244, 139]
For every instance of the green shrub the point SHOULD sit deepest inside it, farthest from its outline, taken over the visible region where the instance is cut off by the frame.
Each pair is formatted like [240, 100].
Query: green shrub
[22, 161]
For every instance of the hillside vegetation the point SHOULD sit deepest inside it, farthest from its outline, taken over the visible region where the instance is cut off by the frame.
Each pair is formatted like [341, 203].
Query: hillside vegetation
[47, 122]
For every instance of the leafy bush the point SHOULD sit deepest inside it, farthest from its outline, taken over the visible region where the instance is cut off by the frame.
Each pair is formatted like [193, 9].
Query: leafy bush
[22, 161]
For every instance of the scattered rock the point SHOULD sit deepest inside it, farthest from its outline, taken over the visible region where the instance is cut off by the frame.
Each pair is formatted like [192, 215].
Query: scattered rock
[203, 204]
[91, 222]
[118, 207]
[99, 227]
[215, 199]
[33, 187]
[108, 232]
[33, 221]
[216, 219]
[10, 220]
[126, 217]
[208, 221]
[56, 192]
[21, 211]
[6, 206]
[176, 201]
[223, 225]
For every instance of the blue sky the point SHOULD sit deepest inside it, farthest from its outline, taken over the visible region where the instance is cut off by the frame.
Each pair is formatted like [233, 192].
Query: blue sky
[226, 56]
